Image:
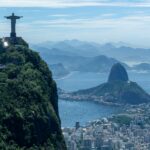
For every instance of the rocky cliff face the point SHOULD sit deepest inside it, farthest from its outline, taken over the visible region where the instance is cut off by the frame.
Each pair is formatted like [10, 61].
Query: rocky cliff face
[118, 73]
[28, 102]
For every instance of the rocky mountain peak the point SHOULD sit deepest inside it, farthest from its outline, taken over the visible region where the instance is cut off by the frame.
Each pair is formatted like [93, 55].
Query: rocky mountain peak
[118, 73]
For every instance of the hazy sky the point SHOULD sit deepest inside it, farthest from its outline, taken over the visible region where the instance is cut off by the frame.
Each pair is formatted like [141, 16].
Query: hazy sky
[90, 20]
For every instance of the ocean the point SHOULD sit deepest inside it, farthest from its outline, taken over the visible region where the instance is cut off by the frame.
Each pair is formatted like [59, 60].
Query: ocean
[84, 112]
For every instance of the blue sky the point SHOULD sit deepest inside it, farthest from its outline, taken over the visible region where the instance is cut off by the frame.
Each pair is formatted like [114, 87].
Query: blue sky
[88, 20]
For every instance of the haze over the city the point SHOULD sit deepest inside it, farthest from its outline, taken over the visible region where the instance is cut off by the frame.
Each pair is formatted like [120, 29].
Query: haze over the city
[88, 20]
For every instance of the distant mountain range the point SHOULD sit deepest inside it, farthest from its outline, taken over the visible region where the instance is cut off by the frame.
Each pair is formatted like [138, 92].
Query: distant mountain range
[74, 47]
[71, 60]
[120, 50]
[75, 55]
[142, 67]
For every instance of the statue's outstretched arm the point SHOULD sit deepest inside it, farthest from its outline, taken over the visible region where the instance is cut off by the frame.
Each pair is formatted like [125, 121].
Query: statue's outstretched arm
[8, 17]
[18, 17]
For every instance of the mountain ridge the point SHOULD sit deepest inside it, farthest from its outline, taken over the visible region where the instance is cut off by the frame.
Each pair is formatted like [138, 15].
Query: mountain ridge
[29, 101]
[120, 50]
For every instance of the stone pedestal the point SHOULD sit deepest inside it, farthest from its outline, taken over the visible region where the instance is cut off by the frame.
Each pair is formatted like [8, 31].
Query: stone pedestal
[16, 41]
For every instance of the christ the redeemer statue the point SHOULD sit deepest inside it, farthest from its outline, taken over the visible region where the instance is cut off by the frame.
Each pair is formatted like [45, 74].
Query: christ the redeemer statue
[13, 19]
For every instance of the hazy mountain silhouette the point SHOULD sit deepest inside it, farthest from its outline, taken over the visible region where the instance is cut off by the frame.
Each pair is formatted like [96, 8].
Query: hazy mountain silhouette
[120, 50]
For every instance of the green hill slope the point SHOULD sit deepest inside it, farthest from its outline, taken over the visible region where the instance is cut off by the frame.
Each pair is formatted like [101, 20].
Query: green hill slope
[118, 92]
[28, 102]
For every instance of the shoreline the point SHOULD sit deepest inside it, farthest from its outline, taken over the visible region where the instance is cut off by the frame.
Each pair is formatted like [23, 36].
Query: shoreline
[66, 76]
[124, 106]
[90, 100]
[101, 111]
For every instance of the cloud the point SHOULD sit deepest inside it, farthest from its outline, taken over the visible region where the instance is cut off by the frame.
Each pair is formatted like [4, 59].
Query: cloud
[60, 15]
[130, 28]
[103, 22]
[74, 3]
[95, 24]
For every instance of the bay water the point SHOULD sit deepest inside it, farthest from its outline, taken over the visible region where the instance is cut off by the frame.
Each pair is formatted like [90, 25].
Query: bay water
[83, 112]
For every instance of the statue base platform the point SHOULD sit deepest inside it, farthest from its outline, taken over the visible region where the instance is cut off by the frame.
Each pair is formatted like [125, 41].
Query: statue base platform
[16, 41]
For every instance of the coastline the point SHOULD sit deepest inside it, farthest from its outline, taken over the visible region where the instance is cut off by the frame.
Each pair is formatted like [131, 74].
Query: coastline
[92, 100]
[66, 76]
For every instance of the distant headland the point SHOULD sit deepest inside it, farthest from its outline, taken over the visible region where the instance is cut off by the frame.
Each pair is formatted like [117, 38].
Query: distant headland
[119, 90]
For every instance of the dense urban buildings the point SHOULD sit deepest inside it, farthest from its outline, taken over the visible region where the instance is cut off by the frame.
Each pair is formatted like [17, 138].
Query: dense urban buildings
[127, 131]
